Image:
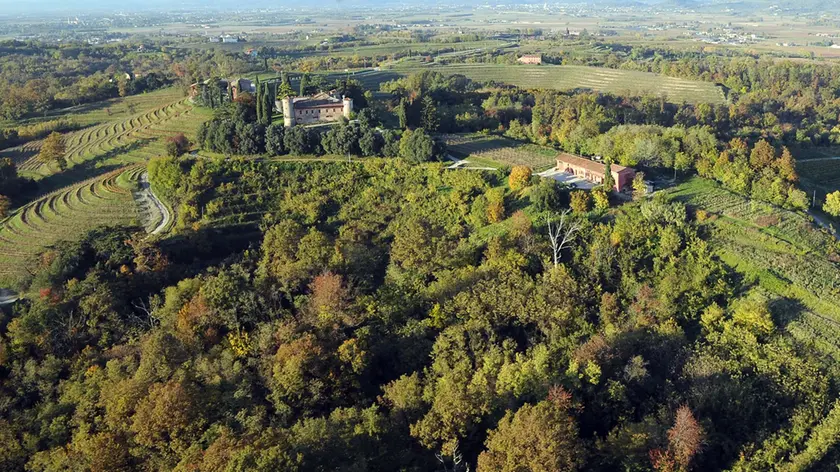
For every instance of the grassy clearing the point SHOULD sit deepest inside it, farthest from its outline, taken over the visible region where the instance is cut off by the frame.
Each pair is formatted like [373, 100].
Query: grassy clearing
[780, 253]
[495, 151]
[583, 77]
[65, 214]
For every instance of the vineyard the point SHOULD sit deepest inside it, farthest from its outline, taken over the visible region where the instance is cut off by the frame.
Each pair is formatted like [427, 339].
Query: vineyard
[65, 214]
[824, 173]
[790, 261]
[493, 151]
[583, 77]
[132, 139]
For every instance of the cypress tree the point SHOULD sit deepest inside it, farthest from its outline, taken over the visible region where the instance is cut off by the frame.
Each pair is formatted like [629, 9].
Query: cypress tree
[268, 105]
[304, 83]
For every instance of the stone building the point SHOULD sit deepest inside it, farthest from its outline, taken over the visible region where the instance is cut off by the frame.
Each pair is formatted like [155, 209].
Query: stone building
[323, 107]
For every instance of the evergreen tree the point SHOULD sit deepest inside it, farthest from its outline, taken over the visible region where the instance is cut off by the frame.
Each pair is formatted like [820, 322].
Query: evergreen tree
[268, 105]
[429, 119]
[609, 182]
[304, 83]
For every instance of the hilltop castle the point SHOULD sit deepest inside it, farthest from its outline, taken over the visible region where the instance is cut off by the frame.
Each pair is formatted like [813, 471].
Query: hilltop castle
[322, 107]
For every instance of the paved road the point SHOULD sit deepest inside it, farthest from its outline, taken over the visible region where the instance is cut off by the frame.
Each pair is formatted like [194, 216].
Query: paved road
[821, 159]
[145, 187]
[464, 164]
[7, 296]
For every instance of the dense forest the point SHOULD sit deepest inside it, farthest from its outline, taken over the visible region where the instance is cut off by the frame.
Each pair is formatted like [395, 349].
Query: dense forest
[383, 315]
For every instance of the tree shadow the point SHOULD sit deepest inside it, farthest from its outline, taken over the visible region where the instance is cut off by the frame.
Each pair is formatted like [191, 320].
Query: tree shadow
[786, 311]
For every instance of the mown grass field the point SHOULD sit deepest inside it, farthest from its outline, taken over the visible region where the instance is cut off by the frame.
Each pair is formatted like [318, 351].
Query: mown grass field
[582, 77]
[781, 253]
[495, 151]
[65, 214]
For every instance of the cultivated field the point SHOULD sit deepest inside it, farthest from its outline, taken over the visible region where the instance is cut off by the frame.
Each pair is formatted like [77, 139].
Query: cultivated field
[823, 172]
[583, 77]
[786, 258]
[65, 214]
[495, 151]
[133, 138]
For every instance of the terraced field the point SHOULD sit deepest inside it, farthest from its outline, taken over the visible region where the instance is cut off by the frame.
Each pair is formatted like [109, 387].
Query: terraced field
[495, 151]
[66, 214]
[132, 139]
[574, 77]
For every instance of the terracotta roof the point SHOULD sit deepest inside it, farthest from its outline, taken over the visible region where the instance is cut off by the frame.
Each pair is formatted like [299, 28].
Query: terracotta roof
[589, 164]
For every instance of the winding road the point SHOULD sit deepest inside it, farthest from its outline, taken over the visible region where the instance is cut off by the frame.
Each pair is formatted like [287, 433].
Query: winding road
[7, 297]
[146, 188]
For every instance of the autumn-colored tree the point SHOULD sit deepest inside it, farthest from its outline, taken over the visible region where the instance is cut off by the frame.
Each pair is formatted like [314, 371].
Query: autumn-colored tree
[168, 419]
[328, 299]
[762, 155]
[601, 198]
[53, 149]
[639, 186]
[579, 201]
[685, 440]
[738, 148]
[495, 205]
[519, 177]
[786, 166]
[177, 145]
[541, 437]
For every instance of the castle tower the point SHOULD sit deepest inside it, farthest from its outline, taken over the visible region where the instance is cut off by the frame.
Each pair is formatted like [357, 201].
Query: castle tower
[348, 107]
[288, 112]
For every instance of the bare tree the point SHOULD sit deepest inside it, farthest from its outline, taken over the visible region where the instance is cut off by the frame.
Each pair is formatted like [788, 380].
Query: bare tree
[458, 462]
[560, 234]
